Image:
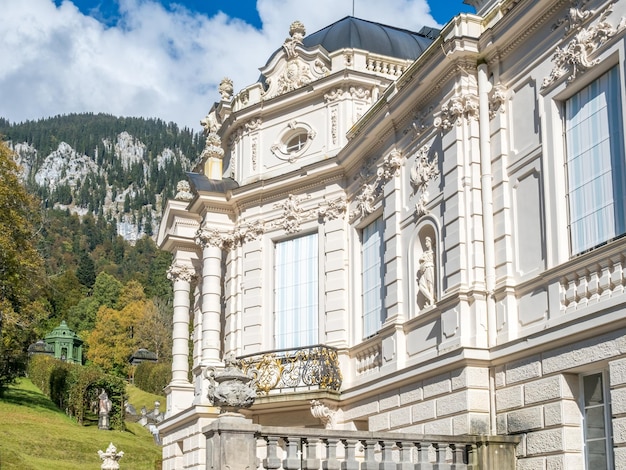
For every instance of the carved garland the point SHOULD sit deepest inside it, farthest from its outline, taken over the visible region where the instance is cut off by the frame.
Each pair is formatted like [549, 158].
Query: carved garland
[366, 199]
[576, 57]
[421, 174]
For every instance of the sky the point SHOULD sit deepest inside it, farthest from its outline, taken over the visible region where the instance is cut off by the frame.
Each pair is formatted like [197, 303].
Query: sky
[159, 58]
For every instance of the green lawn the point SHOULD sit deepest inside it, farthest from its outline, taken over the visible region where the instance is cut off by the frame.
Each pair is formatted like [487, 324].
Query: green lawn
[35, 435]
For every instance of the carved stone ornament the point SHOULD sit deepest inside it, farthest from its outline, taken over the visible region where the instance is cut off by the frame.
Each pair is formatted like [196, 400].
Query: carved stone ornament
[576, 56]
[213, 147]
[293, 214]
[457, 108]
[181, 272]
[209, 123]
[231, 389]
[296, 33]
[575, 17]
[334, 95]
[421, 174]
[328, 416]
[253, 124]
[209, 237]
[497, 97]
[366, 199]
[243, 232]
[183, 191]
[226, 89]
[333, 210]
[110, 458]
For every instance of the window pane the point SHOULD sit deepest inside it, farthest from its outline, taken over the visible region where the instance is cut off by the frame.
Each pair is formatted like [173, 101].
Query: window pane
[596, 414]
[595, 163]
[296, 292]
[372, 277]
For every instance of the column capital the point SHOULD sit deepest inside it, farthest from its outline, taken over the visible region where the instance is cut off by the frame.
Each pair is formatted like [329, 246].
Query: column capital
[181, 272]
[209, 237]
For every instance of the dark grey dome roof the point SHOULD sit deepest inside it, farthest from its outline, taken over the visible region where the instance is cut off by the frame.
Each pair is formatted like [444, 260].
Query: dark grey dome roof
[351, 32]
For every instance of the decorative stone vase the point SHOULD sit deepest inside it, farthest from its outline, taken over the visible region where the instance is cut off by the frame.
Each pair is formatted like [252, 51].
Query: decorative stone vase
[231, 389]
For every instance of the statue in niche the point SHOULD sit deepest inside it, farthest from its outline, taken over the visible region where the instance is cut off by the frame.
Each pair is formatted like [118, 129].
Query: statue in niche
[426, 273]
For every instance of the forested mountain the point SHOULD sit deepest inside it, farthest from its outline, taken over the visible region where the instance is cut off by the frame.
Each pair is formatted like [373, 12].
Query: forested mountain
[97, 185]
[122, 169]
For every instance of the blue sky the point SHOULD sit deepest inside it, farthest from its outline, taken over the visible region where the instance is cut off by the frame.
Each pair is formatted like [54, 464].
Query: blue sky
[157, 58]
[108, 10]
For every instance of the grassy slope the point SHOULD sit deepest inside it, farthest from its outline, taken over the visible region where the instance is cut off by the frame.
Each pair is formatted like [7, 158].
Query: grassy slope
[35, 435]
[139, 398]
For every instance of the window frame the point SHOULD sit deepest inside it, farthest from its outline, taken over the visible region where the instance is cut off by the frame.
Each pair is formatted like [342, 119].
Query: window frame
[617, 155]
[365, 332]
[278, 343]
[607, 416]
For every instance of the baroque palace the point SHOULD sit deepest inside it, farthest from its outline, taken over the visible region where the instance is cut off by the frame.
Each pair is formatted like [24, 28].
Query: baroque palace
[411, 234]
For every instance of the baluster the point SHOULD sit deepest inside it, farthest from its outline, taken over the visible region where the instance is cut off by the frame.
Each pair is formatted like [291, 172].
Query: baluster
[350, 462]
[271, 461]
[369, 462]
[442, 461]
[387, 462]
[423, 456]
[459, 460]
[405, 456]
[331, 462]
[310, 460]
[292, 461]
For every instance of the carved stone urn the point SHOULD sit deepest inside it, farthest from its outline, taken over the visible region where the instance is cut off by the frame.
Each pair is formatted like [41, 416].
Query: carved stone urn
[231, 389]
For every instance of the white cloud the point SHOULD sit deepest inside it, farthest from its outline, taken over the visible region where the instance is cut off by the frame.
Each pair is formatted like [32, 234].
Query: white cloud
[154, 62]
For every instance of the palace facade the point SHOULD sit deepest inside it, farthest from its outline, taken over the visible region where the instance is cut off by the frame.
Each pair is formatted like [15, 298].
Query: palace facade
[417, 232]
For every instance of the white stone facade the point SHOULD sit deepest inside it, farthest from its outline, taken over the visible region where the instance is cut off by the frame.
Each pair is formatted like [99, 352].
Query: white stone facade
[467, 147]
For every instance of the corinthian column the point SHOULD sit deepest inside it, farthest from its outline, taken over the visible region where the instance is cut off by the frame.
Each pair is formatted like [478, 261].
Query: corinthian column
[211, 306]
[181, 275]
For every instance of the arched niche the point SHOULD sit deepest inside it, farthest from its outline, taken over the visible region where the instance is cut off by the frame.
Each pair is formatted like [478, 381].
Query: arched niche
[424, 266]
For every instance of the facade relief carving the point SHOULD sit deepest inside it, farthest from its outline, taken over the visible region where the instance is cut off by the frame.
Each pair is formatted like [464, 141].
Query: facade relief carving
[330, 417]
[293, 214]
[332, 210]
[253, 124]
[370, 192]
[360, 93]
[459, 106]
[422, 172]
[497, 98]
[576, 57]
[334, 95]
[333, 126]
[300, 68]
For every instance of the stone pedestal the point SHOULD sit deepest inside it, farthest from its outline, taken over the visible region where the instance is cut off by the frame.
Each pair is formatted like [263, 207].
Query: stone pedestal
[231, 443]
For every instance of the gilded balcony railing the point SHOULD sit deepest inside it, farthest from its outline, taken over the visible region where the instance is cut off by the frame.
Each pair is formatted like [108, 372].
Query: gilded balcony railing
[313, 367]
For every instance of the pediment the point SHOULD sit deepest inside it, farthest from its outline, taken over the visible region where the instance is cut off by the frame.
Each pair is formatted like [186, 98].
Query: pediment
[294, 65]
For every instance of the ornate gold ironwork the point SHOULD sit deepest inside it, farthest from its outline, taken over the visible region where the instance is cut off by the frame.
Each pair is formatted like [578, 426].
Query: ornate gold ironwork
[295, 368]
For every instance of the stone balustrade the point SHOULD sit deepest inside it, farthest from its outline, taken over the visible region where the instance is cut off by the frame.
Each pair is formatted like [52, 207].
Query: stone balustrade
[587, 282]
[376, 63]
[282, 448]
